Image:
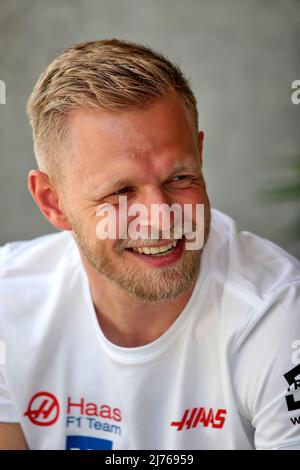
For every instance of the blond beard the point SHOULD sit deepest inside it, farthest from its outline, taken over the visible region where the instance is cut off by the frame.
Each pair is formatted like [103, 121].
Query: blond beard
[150, 285]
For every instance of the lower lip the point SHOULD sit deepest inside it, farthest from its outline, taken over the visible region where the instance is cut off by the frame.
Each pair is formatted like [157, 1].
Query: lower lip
[161, 261]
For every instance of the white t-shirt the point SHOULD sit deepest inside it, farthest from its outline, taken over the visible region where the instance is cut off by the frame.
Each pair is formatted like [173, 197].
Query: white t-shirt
[225, 375]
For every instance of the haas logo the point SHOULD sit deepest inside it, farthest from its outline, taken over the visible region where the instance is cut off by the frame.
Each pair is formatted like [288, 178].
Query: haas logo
[43, 409]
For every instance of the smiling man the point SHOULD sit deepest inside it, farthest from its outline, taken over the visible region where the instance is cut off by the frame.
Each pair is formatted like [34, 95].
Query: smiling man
[139, 342]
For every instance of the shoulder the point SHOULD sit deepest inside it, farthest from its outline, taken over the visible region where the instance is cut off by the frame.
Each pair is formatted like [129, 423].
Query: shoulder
[37, 280]
[20, 259]
[248, 263]
[260, 328]
[258, 288]
[31, 273]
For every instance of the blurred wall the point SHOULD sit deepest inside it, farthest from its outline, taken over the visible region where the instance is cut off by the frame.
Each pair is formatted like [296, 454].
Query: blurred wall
[241, 57]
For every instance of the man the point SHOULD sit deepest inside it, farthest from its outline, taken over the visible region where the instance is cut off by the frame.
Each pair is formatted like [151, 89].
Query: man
[139, 343]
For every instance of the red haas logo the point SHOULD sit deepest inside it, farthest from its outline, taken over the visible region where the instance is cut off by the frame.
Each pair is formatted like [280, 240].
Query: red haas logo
[199, 415]
[43, 409]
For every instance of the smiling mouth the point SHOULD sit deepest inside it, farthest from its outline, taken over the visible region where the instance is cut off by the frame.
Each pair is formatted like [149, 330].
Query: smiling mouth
[155, 251]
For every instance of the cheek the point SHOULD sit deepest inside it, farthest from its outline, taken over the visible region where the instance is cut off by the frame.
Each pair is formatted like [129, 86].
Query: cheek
[196, 206]
[105, 230]
[194, 194]
[192, 197]
[110, 246]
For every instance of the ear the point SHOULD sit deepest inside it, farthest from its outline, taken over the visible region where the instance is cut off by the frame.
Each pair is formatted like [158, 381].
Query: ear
[200, 144]
[46, 197]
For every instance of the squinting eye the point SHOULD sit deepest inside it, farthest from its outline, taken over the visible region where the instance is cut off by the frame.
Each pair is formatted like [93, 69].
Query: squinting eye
[121, 191]
[181, 182]
[180, 176]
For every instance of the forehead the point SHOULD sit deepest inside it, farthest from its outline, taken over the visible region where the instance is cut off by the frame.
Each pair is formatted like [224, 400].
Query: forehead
[109, 143]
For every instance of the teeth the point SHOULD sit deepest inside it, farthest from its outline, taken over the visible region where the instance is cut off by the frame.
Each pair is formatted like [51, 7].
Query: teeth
[155, 250]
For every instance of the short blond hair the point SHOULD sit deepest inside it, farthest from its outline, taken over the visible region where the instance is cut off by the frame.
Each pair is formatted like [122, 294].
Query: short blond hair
[109, 74]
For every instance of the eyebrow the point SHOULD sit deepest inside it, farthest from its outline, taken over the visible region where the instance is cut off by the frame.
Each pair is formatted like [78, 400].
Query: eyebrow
[118, 183]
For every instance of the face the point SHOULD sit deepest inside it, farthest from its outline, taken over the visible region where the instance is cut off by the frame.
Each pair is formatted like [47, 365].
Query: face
[151, 156]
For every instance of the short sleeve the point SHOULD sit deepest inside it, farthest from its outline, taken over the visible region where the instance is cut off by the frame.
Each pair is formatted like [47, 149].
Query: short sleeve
[267, 371]
[8, 413]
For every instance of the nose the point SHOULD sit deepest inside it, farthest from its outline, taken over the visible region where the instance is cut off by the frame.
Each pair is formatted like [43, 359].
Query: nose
[156, 215]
